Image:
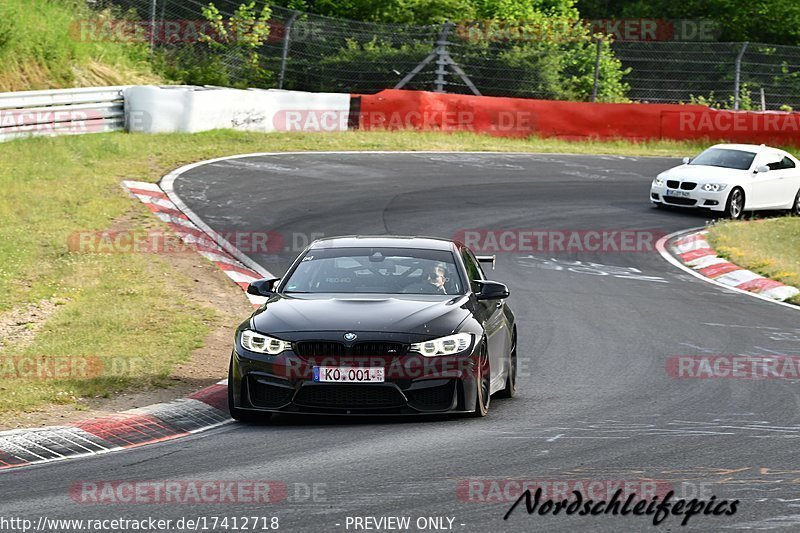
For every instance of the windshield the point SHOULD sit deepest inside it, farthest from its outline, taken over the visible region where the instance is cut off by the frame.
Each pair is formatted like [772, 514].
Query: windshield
[726, 158]
[375, 270]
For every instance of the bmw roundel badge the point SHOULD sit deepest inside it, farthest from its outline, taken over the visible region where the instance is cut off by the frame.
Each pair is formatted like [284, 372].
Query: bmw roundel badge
[350, 336]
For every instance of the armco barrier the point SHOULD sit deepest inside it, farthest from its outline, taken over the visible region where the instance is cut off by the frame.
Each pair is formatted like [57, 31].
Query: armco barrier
[518, 117]
[153, 109]
[61, 112]
[193, 109]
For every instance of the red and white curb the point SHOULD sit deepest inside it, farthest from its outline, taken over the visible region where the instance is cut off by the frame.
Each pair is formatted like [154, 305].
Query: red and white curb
[203, 410]
[695, 252]
[205, 241]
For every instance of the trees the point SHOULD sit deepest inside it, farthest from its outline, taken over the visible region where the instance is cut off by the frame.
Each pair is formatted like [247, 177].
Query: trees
[767, 21]
[434, 11]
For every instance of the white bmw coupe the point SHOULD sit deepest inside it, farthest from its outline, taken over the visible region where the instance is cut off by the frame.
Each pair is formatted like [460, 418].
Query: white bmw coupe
[732, 178]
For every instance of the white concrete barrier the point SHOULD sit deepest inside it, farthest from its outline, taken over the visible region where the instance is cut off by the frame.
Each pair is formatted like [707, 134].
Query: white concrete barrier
[150, 109]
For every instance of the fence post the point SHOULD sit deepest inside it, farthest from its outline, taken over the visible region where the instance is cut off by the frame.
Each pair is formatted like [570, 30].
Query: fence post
[285, 52]
[738, 75]
[442, 57]
[152, 27]
[763, 100]
[597, 68]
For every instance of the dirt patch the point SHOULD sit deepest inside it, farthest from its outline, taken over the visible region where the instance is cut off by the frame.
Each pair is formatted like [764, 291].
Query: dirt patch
[19, 326]
[200, 281]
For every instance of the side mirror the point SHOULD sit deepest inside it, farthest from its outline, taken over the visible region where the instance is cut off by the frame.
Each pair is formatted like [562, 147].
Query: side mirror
[686, 160]
[262, 287]
[762, 168]
[492, 290]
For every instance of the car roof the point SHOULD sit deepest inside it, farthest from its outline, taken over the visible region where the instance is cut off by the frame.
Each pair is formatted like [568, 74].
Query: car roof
[384, 241]
[757, 148]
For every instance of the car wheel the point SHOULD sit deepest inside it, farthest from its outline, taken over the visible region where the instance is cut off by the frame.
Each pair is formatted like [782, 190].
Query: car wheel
[795, 211]
[735, 206]
[242, 415]
[483, 384]
[510, 389]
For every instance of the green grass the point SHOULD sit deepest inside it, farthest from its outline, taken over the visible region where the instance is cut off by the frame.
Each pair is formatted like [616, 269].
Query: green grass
[45, 44]
[134, 307]
[770, 247]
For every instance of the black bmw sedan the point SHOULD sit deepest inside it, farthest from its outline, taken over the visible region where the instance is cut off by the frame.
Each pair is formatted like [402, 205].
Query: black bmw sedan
[369, 325]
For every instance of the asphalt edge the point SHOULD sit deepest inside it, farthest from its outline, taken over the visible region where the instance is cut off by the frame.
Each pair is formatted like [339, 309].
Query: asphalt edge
[689, 251]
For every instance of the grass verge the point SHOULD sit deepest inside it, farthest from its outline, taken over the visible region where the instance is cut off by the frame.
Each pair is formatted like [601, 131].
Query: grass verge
[134, 308]
[770, 247]
[47, 44]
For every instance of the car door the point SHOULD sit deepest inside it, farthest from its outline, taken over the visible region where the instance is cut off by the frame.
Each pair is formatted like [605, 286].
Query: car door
[769, 189]
[790, 181]
[494, 321]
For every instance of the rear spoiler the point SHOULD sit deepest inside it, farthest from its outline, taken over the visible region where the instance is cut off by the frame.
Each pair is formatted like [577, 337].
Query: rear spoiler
[487, 259]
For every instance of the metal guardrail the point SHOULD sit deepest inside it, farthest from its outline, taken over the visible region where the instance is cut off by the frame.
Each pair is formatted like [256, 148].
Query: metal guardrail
[61, 112]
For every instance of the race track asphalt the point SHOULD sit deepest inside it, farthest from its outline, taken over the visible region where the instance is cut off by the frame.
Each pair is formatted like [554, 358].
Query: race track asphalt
[595, 401]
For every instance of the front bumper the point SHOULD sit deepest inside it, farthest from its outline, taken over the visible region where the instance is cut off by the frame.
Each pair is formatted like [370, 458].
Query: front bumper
[413, 385]
[698, 198]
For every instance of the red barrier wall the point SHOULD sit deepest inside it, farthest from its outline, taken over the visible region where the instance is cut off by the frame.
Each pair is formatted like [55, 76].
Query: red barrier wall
[519, 117]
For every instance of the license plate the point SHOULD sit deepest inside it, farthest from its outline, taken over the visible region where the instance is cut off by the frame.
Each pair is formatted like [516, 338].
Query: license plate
[683, 194]
[347, 374]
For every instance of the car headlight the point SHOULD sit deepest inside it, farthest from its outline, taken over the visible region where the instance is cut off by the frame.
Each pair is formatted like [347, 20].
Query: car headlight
[450, 345]
[714, 187]
[255, 342]
[658, 182]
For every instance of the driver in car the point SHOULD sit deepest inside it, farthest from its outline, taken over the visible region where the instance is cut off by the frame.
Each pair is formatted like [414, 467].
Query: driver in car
[433, 280]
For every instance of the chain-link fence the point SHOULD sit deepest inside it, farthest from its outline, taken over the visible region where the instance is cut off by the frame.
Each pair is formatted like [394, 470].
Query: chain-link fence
[707, 72]
[315, 53]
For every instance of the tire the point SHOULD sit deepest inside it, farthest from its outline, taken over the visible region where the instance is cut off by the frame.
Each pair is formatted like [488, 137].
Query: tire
[510, 389]
[243, 415]
[483, 384]
[734, 208]
[795, 210]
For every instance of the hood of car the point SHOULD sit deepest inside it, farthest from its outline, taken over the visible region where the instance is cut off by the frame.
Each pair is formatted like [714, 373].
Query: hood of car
[410, 314]
[704, 174]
